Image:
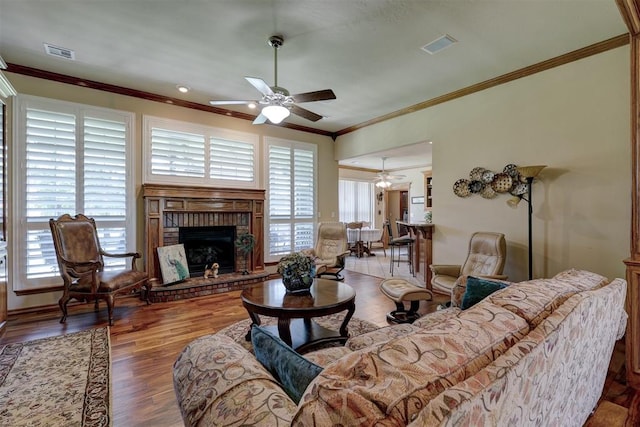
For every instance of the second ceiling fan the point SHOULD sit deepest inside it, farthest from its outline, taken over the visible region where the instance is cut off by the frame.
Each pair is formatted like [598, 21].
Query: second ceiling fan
[276, 101]
[383, 180]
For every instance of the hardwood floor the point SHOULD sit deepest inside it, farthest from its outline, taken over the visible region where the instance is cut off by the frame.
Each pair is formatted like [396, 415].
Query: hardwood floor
[146, 340]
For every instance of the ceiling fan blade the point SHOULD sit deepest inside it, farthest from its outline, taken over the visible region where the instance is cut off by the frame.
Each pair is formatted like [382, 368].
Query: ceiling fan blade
[309, 115]
[260, 119]
[319, 95]
[232, 102]
[260, 85]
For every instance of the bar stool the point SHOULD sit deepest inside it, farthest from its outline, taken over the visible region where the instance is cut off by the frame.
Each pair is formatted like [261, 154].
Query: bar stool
[399, 242]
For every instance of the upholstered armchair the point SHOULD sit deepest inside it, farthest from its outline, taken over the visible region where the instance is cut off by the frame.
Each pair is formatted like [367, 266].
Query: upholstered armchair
[81, 264]
[486, 258]
[330, 250]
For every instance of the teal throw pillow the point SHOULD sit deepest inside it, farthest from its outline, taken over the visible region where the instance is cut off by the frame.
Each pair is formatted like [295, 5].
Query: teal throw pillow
[290, 369]
[477, 290]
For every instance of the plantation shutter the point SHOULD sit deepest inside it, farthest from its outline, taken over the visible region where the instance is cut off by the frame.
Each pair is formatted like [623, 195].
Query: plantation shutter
[304, 198]
[50, 183]
[105, 184]
[232, 160]
[291, 178]
[177, 153]
[74, 160]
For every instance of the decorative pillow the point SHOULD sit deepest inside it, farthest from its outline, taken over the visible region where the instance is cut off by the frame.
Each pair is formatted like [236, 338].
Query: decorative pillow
[477, 290]
[291, 370]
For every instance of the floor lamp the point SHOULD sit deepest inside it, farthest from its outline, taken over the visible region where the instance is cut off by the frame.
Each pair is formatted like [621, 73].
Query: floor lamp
[527, 174]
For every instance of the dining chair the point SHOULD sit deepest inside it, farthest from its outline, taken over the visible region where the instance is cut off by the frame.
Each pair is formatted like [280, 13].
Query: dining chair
[357, 245]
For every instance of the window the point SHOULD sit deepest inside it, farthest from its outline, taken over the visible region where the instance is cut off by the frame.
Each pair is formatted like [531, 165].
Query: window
[356, 201]
[179, 152]
[291, 197]
[72, 159]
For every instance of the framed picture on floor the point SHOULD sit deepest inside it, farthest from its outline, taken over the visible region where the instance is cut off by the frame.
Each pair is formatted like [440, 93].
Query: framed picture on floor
[173, 263]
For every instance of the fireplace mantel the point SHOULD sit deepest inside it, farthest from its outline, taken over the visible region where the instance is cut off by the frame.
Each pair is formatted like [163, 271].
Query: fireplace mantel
[168, 207]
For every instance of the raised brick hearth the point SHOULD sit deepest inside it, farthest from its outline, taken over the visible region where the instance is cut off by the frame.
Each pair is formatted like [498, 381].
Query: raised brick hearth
[197, 287]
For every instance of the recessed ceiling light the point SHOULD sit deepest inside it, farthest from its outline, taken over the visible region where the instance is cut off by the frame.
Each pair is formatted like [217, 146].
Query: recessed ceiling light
[182, 88]
[439, 44]
[252, 105]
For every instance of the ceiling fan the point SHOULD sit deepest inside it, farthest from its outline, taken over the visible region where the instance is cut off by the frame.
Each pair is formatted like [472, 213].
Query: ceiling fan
[383, 180]
[276, 101]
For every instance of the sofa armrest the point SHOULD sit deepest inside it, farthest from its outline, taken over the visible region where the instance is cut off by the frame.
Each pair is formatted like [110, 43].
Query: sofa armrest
[446, 269]
[215, 379]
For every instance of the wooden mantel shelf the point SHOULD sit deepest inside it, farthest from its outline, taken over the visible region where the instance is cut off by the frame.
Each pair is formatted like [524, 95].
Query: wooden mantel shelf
[194, 192]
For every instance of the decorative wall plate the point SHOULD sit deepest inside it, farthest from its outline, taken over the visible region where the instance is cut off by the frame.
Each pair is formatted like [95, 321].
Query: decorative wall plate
[476, 186]
[461, 188]
[487, 176]
[476, 173]
[501, 183]
[511, 170]
[488, 192]
[518, 188]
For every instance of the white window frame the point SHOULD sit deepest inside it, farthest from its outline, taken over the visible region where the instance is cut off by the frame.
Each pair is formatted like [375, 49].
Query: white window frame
[208, 132]
[268, 142]
[18, 227]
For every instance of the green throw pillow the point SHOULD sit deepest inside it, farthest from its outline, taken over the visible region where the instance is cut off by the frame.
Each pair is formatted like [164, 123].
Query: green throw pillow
[477, 290]
[293, 371]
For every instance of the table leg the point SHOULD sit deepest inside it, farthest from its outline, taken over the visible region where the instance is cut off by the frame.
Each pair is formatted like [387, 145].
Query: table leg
[255, 320]
[344, 331]
[284, 330]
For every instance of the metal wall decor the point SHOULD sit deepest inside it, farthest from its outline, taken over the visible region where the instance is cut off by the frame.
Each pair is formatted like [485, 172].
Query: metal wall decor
[489, 184]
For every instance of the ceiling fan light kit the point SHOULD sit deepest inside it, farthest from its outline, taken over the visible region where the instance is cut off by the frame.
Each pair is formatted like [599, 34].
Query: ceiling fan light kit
[383, 180]
[277, 103]
[275, 113]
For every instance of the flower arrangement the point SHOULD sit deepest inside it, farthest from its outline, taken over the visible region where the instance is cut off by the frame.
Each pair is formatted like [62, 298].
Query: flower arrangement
[298, 271]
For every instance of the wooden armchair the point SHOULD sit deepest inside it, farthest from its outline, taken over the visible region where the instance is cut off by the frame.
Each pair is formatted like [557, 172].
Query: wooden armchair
[81, 263]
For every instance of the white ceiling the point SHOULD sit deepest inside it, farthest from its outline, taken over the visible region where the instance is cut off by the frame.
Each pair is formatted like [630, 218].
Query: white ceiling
[367, 51]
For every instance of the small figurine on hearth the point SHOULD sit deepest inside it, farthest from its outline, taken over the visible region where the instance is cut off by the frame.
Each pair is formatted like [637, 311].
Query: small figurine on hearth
[211, 272]
[214, 269]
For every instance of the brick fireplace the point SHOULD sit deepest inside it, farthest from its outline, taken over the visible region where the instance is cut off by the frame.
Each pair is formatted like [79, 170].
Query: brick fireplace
[172, 208]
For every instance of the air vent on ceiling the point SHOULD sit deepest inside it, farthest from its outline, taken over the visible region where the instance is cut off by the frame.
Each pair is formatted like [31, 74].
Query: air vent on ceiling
[439, 44]
[60, 52]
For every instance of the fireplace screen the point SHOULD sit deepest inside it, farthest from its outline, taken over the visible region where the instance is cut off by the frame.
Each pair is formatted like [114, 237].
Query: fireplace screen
[207, 245]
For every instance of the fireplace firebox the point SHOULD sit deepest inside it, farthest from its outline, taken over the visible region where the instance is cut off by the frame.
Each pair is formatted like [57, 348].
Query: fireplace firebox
[204, 246]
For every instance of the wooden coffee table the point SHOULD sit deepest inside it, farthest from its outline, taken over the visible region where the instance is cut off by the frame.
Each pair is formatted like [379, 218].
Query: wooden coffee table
[295, 313]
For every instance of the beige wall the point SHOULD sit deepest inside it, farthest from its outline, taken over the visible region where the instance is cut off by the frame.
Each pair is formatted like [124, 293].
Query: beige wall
[327, 166]
[573, 118]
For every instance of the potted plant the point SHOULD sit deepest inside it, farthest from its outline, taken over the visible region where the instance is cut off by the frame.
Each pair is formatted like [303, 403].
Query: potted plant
[245, 243]
[298, 271]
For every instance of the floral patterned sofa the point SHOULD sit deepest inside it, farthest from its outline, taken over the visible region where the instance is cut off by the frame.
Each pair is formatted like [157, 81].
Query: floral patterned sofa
[535, 353]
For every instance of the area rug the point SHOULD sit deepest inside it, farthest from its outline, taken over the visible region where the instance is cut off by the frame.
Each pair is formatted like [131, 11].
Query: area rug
[57, 381]
[238, 330]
